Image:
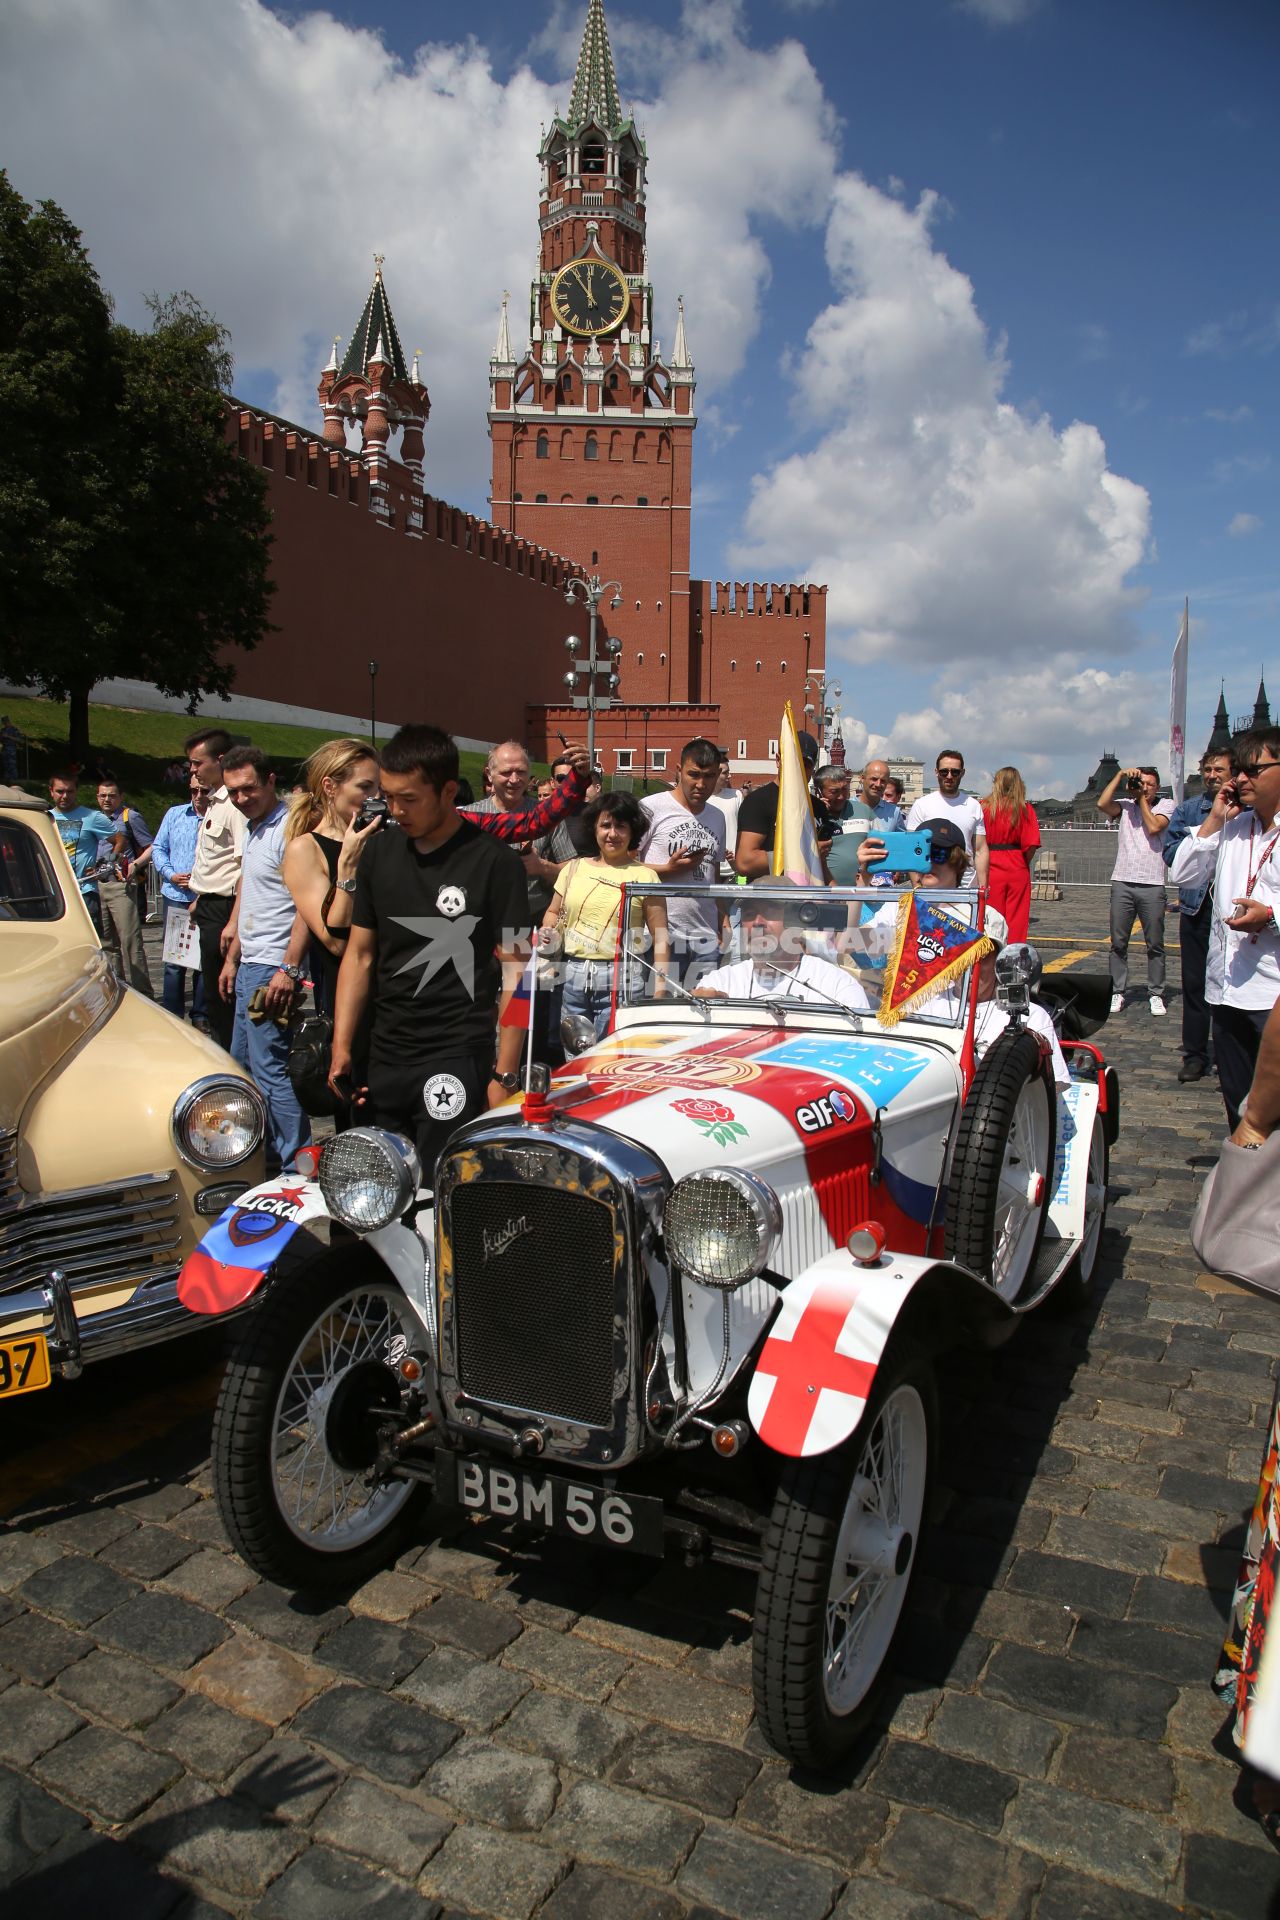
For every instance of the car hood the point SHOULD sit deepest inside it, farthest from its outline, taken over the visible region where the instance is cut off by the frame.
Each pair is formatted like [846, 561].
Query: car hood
[799, 1108]
[56, 990]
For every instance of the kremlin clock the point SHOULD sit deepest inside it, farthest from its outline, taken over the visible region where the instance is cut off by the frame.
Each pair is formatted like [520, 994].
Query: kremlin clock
[589, 297]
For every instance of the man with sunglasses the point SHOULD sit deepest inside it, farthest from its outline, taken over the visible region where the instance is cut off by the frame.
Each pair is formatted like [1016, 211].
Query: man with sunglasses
[1236, 847]
[950, 802]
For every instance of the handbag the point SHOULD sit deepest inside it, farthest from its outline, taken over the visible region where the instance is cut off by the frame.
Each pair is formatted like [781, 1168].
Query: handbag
[310, 1056]
[1236, 1229]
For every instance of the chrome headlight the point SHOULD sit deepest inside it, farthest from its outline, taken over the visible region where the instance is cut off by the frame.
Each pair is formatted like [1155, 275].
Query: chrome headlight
[721, 1226]
[368, 1177]
[218, 1122]
[577, 1033]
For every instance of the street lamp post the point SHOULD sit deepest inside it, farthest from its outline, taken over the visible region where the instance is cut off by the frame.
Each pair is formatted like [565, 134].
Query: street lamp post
[591, 591]
[373, 704]
[823, 690]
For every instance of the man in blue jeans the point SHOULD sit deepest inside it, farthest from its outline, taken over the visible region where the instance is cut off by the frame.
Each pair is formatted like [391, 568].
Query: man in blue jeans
[269, 940]
[173, 853]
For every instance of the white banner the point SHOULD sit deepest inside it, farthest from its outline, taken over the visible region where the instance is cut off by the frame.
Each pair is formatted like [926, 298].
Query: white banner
[181, 941]
[1178, 709]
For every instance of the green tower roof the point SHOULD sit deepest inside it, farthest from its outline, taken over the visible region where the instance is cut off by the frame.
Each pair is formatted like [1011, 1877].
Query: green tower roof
[595, 85]
[376, 323]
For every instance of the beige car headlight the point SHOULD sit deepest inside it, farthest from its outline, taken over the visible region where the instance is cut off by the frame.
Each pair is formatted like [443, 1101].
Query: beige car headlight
[218, 1122]
[368, 1177]
[721, 1226]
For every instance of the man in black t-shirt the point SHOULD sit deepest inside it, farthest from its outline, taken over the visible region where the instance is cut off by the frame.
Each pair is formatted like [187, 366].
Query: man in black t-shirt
[758, 820]
[439, 934]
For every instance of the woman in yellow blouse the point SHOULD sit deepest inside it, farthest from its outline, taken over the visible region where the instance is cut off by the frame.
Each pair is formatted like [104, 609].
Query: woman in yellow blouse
[583, 920]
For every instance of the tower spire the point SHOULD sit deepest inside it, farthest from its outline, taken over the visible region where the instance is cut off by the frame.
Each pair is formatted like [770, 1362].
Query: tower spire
[680, 356]
[376, 328]
[595, 84]
[1262, 706]
[502, 350]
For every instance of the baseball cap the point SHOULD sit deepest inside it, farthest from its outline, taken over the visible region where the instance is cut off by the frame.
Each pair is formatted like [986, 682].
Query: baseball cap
[808, 748]
[945, 833]
[996, 927]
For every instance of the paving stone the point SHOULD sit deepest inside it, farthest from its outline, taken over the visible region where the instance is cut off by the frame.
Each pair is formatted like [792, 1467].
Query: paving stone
[616, 1828]
[738, 1875]
[263, 1682]
[39, 1649]
[1080, 1692]
[392, 1596]
[1134, 1772]
[1104, 1544]
[147, 1553]
[329, 1886]
[456, 1621]
[32, 1823]
[965, 1789]
[642, 1633]
[1196, 1720]
[491, 1783]
[949, 1861]
[91, 1530]
[570, 1732]
[392, 1832]
[473, 1692]
[696, 1773]
[978, 1729]
[592, 1892]
[564, 1663]
[293, 1620]
[1170, 1603]
[76, 1590]
[1233, 1882]
[882, 1900]
[106, 1774]
[680, 1700]
[1207, 1492]
[1213, 1795]
[941, 1655]
[1096, 1837]
[160, 1628]
[287, 1780]
[206, 1738]
[219, 1842]
[541, 1600]
[391, 1739]
[99, 1874]
[1067, 1895]
[1096, 1437]
[375, 1651]
[491, 1873]
[158, 1503]
[819, 1814]
[451, 1563]
[202, 1524]
[211, 1579]
[1147, 1515]
[32, 1721]
[1199, 1566]
[906, 1709]
[1139, 1648]
[113, 1687]
[1013, 1616]
[21, 1555]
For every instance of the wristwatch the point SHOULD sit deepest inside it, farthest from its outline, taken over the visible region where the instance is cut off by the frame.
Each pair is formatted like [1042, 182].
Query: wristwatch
[508, 1080]
[345, 886]
[294, 973]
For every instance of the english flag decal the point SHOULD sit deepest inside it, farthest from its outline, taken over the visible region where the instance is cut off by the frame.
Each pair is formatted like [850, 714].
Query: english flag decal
[243, 1243]
[816, 1370]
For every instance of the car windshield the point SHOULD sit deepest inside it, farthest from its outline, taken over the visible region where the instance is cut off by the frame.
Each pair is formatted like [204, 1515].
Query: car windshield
[782, 948]
[28, 890]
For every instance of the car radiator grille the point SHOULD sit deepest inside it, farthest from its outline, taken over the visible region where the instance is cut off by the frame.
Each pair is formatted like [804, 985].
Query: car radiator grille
[95, 1235]
[534, 1312]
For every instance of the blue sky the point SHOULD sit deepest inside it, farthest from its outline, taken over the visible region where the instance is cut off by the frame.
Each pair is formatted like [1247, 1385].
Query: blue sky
[982, 296]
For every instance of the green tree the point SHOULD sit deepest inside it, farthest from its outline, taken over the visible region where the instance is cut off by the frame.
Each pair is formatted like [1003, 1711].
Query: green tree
[134, 541]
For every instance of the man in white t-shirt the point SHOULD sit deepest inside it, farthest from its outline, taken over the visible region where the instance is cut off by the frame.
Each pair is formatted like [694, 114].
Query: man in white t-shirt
[779, 966]
[685, 846]
[727, 798]
[1137, 879]
[949, 802]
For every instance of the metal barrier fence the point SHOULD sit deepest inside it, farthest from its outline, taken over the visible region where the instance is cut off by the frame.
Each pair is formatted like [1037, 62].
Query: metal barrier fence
[1073, 857]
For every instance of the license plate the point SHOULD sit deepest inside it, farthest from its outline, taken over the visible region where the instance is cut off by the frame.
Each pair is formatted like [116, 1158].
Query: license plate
[24, 1364]
[597, 1515]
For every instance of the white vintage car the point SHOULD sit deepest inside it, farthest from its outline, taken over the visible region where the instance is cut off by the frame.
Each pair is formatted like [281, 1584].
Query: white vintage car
[687, 1298]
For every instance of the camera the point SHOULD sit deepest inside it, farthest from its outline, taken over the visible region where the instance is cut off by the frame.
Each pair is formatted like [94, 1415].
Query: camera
[1134, 784]
[374, 808]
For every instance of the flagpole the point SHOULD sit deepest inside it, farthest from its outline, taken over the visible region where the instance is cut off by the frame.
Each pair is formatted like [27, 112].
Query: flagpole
[1178, 707]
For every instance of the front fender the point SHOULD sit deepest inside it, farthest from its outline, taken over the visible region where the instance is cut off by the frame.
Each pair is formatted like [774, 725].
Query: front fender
[817, 1368]
[244, 1244]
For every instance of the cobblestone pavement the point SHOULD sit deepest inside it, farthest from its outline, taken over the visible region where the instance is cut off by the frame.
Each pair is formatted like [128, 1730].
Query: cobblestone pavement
[493, 1731]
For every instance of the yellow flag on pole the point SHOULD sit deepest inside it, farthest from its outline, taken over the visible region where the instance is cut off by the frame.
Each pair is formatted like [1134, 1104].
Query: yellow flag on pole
[795, 839]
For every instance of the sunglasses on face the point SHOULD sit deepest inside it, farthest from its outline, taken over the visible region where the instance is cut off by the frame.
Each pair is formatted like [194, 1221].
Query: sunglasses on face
[940, 855]
[1252, 768]
[950, 773]
[559, 777]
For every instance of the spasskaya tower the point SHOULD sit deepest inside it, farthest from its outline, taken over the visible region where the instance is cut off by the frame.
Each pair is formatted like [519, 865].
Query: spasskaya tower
[591, 426]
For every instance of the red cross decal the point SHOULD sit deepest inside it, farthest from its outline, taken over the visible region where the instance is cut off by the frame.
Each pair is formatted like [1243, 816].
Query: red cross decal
[806, 1363]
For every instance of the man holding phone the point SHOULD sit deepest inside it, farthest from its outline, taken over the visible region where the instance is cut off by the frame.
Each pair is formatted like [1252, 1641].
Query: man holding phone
[1137, 879]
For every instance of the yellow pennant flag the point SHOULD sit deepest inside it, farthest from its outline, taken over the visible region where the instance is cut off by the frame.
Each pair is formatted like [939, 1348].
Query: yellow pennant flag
[795, 839]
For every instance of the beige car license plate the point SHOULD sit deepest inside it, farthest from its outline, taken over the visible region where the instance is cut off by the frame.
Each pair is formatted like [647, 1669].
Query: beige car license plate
[24, 1364]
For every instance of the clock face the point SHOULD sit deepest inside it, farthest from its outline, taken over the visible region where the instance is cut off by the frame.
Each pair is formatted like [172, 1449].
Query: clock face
[589, 296]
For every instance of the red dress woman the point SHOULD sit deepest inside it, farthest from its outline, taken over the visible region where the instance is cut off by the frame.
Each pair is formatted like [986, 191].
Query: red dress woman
[1013, 837]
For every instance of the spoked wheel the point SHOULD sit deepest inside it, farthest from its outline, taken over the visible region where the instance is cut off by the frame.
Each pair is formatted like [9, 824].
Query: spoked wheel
[1076, 1285]
[836, 1571]
[295, 1432]
[1002, 1167]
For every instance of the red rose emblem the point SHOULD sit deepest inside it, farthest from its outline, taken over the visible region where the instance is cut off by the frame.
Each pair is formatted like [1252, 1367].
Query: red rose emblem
[709, 1112]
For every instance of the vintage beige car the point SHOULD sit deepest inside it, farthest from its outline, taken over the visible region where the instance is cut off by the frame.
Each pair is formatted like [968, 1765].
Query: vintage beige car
[122, 1130]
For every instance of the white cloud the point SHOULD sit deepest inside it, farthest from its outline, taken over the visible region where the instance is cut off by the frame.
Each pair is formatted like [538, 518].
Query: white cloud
[1243, 524]
[259, 161]
[948, 525]
[1000, 13]
[1095, 341]
[1240, 466]
[1229, 416]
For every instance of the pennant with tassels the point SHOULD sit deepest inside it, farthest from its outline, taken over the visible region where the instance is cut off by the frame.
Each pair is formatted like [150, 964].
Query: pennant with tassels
[932, 949]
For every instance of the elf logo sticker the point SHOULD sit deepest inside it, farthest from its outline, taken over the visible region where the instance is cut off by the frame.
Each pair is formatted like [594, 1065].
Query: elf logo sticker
[833, 1109]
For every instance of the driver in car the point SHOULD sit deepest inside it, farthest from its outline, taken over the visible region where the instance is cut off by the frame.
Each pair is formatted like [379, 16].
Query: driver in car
[778, 965]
